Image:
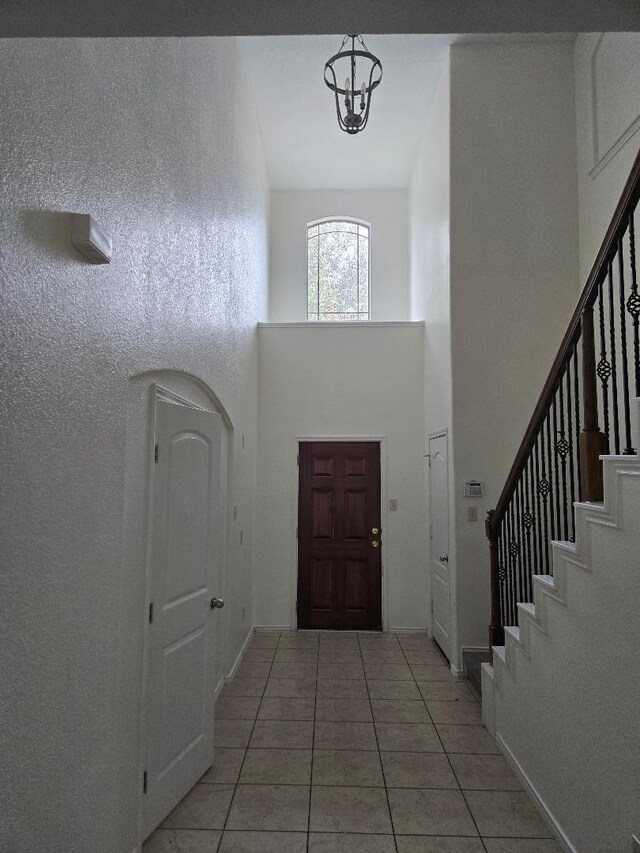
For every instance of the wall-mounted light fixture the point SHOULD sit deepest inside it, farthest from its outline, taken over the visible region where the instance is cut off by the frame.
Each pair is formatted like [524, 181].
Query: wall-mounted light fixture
[89, 239]
[354, 101]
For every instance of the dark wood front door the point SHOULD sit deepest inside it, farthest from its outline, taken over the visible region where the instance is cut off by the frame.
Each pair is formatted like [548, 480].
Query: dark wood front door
[339, 560]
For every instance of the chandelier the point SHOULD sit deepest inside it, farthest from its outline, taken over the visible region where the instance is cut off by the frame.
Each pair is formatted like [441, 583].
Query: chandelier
[353, 102]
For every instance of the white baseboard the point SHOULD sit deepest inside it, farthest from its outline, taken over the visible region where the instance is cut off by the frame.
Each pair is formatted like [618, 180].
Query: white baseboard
[407, 629]
[546, 814]
[236, 664]
[400, 629]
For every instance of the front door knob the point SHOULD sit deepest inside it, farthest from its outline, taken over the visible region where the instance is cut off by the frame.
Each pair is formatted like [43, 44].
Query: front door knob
[444, 558]
[216, 603]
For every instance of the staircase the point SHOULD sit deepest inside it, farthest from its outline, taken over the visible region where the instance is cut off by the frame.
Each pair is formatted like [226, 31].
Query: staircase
[562, 698]
[562, 693]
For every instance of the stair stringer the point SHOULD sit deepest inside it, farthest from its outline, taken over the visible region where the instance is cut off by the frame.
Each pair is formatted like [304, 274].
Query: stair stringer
[539, 650]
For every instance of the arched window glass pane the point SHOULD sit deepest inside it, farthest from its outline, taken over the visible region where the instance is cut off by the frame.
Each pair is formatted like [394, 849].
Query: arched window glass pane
[337, 270]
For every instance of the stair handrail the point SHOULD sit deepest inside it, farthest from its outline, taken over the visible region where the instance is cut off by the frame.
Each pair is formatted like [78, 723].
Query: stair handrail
[628, 199]
[583, 311]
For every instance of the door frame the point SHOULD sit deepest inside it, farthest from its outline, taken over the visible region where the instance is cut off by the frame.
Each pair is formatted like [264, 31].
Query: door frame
[384, 516]
[453, 586]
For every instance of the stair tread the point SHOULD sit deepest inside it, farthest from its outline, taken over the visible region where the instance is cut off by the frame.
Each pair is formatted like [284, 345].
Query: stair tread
[564, 544]
[598, 506]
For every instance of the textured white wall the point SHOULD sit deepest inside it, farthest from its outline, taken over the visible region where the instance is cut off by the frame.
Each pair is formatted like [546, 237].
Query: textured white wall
[320, 381]
[607, 67]
[430, 285]
[386, 210]
[514, 267]
[155, 139]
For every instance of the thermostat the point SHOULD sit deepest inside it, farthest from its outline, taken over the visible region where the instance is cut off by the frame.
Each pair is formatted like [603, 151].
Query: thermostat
[472, 489]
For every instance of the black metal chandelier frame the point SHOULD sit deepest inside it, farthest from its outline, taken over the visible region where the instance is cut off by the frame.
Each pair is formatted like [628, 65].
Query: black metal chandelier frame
[353, 122]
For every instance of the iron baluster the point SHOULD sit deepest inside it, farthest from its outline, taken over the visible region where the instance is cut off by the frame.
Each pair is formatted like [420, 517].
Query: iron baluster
[507, 563]
[572, 446]
[502, 572]
[529, 522]
[576, 392]
[556, 469]
[521, 560]
[540, 568]
[512, 564]
[633, 303]
[626, 402]
[507, 571]
[532, 525]
[604, 367]
[563, 447]
[552, 521]
[614, 372]
[526, 542]
[544, 489]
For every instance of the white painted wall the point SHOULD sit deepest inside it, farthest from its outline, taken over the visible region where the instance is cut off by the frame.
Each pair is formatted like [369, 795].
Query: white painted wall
[607, 69]
[386, 210]
[514, 261]
[156, 139]
[341, 381]
[429, 218]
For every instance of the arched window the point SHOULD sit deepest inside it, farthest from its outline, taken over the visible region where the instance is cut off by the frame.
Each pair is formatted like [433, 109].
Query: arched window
[337, 269]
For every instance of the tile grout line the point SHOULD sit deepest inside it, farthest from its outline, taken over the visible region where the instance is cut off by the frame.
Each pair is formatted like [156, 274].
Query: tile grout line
[313, 745]
[375, 732]
[246, 749]
[444, 750]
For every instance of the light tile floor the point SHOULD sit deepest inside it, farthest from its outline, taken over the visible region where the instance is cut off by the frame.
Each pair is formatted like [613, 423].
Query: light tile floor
[351, 743]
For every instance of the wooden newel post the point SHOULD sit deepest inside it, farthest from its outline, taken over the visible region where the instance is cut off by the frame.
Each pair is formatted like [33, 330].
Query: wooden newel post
[592, 440]
[496, 630]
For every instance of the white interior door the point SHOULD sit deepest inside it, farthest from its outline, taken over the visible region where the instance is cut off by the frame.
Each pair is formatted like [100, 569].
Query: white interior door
[186, 531]
[439, 507]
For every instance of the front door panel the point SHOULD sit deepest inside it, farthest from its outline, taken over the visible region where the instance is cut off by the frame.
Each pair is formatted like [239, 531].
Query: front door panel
[339, 555]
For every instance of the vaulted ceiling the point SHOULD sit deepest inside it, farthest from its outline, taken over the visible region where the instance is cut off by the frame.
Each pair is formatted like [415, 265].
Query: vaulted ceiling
[303, 144]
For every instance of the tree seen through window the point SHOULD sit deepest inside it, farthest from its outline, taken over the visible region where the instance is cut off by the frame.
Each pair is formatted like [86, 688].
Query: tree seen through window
[338, 270]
